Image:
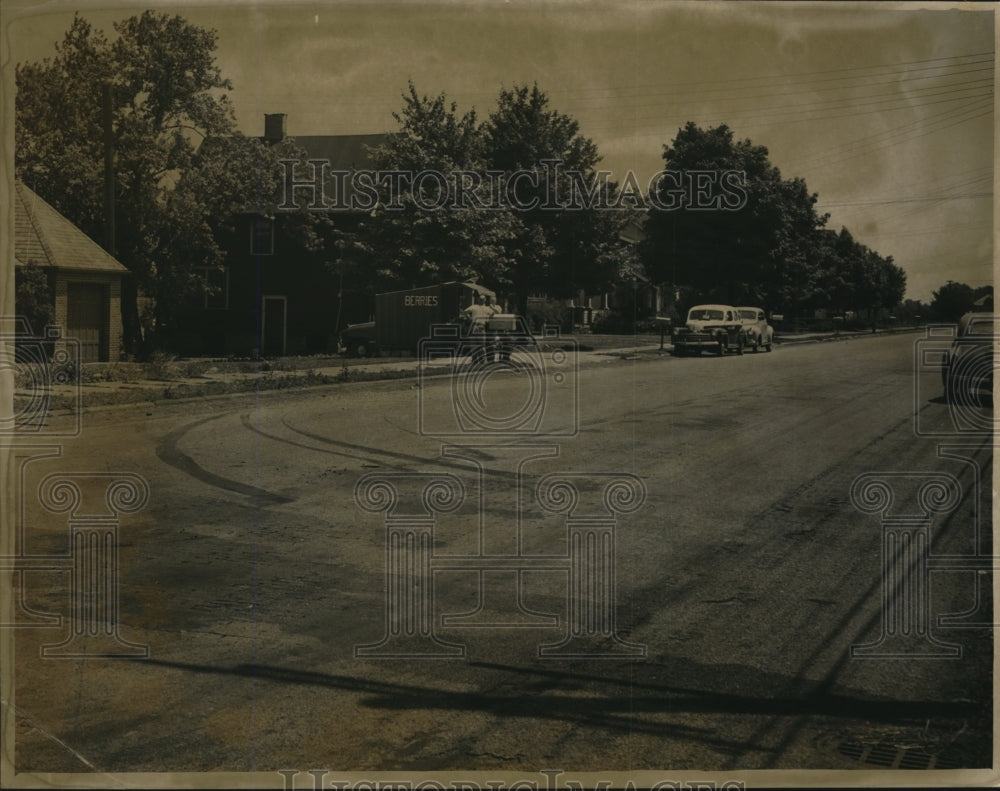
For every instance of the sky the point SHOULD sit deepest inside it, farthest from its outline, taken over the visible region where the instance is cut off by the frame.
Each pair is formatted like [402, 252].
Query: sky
[886, 111]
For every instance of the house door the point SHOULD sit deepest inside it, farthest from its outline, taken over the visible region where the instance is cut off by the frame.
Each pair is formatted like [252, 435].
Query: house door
[273, 323]
[86, 306]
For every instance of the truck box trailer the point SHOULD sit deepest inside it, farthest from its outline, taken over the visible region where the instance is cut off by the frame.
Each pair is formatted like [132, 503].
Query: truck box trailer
[404, 318]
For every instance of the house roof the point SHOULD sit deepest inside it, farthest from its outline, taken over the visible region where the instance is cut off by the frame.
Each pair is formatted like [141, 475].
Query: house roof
[633, 232]
[44, 236]
[343, 152]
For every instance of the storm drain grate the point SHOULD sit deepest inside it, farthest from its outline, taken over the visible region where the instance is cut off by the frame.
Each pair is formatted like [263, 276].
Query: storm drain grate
[892, 756]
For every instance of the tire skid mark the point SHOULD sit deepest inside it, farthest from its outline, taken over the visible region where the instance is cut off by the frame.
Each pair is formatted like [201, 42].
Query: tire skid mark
[168, 452]
[436, 462]
[249, 424]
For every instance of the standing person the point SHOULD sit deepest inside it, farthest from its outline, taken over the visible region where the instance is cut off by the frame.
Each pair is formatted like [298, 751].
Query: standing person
[478, 315]
[493, 344]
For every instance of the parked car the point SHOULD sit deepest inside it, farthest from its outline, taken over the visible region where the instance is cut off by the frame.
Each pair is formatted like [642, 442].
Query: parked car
[759, 332]
[967, 374]
[716, 328]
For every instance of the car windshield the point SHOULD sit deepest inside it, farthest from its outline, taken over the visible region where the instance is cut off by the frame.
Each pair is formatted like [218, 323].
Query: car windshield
[700, 314]
[981, 326]
[749, 314]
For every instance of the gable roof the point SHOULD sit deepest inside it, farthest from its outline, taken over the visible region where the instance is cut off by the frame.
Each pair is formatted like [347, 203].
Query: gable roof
[343, 152]
[633, 232]
[44, 236]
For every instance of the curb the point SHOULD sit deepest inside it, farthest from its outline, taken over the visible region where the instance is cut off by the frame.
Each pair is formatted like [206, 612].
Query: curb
[831, 337]
[154, 396]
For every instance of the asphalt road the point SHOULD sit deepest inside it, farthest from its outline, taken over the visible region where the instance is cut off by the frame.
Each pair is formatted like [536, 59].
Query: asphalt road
[741, 582]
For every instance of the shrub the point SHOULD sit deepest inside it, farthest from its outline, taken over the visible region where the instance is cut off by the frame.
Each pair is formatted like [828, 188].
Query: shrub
[33, 297]
[161, 365]
[542, 314]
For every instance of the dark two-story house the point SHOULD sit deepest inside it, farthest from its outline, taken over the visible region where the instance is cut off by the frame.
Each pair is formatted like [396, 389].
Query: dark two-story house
[272, 297]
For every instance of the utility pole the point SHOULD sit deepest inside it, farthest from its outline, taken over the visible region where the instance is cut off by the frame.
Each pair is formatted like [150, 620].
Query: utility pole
[109, 171]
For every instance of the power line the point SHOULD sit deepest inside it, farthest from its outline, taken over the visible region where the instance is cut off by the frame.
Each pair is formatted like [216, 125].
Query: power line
[885, 134]
[809, 89]
[961, 116]
[889, 201]
[733, 80]
[951, 190]
[925, 231]
[639, 90]
[770, 119]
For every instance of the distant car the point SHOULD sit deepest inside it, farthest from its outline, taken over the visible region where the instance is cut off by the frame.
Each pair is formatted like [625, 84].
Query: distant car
[759, 332]
[967, 374]
[715, 328]
[358, 340]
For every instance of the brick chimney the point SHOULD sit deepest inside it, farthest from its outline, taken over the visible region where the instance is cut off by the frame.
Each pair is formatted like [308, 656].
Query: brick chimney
[274, 128]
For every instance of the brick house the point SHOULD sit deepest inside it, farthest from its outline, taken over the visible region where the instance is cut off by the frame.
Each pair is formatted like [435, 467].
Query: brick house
[85, 281]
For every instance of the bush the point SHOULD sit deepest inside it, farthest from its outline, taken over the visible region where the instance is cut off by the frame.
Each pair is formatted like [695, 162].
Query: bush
[542, 314]
[161, 365]
[33, 297]
[112, 372]
[611, 323]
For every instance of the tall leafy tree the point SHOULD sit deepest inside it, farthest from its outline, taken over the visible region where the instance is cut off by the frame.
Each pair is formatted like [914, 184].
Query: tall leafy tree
[434, 228]
[167, 95]
[58, 126]
[952, 301]
[566, 237]
[840, 284]
[518, 205]
[760, 248]
[855, 277]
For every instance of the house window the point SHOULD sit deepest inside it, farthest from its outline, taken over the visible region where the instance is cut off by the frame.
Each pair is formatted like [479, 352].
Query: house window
[216, 288]
[262, 236]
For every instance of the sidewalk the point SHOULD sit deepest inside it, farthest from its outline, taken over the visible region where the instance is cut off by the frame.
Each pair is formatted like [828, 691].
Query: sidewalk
[267, 376]
[138, 389]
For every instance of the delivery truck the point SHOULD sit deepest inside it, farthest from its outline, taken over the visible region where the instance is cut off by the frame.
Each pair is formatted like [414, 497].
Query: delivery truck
[404, 318]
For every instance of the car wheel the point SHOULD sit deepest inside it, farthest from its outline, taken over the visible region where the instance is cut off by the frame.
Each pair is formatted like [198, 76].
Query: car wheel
[361, 350]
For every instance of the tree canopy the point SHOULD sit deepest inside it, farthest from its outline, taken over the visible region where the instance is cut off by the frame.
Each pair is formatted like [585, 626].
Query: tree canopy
[773, 250]
[501, 212]
[566, 241]
[953, 300]
[514, 200]
[429, 229]
[173, 192]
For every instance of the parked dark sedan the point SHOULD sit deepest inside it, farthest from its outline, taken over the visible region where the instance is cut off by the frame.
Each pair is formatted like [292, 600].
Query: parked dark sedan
[967, 374]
